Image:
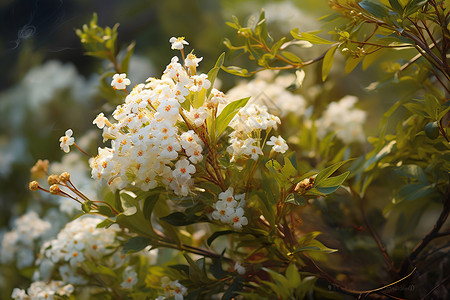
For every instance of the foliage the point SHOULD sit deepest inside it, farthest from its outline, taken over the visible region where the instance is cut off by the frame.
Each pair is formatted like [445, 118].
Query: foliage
[247, 199]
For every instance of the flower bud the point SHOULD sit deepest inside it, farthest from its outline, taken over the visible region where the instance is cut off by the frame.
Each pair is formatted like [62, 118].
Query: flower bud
[54, 189]
[64, 177]
[33, 186]
[304, 185]
[52, 179]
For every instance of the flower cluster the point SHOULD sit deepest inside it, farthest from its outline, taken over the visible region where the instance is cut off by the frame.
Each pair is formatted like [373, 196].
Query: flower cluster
[230, 209]
[78, 241]
[344, 119]
[248, 123]
[20, 243]
[148, 149]
[270, 90]
[43, 290]
[172, 289]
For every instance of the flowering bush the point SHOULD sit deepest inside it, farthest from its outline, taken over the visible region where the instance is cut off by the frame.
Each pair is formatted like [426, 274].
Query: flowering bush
[205, 194]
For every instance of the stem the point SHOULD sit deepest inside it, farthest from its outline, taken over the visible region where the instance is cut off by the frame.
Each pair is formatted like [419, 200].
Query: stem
[431, 235]
[379, 242]
[75, 144]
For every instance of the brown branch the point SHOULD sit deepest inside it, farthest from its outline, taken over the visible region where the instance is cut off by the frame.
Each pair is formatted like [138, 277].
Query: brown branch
[431, 235]
[378, 241]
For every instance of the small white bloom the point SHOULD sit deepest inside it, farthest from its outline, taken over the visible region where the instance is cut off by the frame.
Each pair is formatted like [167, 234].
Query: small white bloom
[129, 278]
[66, 141]
[238, 219]
[120, 81]
[178, 43]
[100, 121]
[278, 143]
[192, 60]
[239, 268]
[197, 116]
[19, 294]
[200, 81]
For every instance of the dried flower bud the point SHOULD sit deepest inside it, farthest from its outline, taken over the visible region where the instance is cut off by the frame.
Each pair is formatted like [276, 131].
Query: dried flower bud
[64, 177]
[39, 170]
[52, 179]
[33, 186]
[54, 189]
[304, 185]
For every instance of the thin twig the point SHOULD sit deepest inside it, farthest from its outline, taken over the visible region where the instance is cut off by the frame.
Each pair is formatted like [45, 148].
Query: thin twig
[431, 235]
[378, 241]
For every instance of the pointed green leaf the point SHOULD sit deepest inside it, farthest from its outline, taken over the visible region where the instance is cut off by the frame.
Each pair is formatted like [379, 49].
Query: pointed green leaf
[328, 62]
[312, 38]
[291, 57]
[374, 9]
[331, 184]
[324, 174]
[228, 114]
[216, 235]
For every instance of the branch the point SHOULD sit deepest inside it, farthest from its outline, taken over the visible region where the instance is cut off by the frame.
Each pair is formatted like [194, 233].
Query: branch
[432, 234]
[380, 244]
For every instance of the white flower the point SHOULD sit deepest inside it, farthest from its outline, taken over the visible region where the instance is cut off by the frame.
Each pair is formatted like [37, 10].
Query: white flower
[178, 43]
[228, 198]
[239, 268]
[66, 141]
[129, 278]
[173, 288]
[19, 294]
[253, 150]
[100, 121]
[120, 81]
[200, 81]
[222, 212]
[278, 143]
[183, 169]
[192, 60]
[197, 116]
[238, 219]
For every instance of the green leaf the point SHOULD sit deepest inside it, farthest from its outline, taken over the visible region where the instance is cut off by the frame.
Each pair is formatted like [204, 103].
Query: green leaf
[277, 46]
[351, 63]
[396, 6]
[216, 268]
[212, 75]
[126, 60]
[292, 57]
[313, 39]
[228, 114]
[296, 199]
[416, 108]
[106, 223]
[235, 287]
[413, 6]
[371, 58]
[324, 174]
[293, 276]
[136, 244]
[374, 9]
[99, 269]
[288, 169]
[149, 204]
[432, 106]
[331, 184]
[236, 71]
[216, 235]
[328, 62]
[180, 219]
